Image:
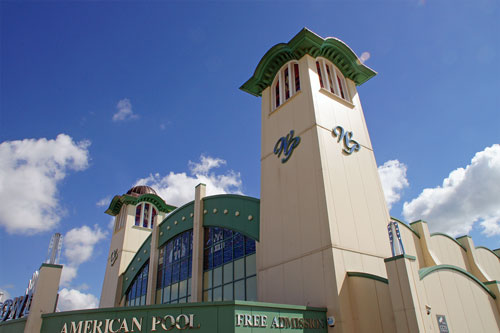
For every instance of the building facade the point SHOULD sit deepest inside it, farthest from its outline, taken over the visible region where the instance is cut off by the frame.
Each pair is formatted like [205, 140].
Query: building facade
[313, 254]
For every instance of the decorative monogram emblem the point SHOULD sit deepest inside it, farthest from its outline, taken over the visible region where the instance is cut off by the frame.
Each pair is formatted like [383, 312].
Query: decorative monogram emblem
[350, 145]
[113, 257]
[286, 144]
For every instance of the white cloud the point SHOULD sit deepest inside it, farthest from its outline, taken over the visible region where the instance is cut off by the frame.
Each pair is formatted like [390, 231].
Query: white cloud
[393, 177]
[30, 171]
[103, 202]
[4, 295]
[468, 195]
[124, 111]
[364, 57]
[68, 274]
[72, 299]
[78, 244]
[178, 188]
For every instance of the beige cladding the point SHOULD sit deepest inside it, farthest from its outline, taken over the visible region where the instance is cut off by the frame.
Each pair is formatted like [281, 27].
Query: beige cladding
[322, 212]
[44, 297]
[127, 240]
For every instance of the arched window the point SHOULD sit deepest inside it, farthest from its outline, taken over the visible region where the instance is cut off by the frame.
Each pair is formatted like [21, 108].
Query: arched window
[331, 78]
[136, 294]
[229, 268]
[173, 284]
[145, 214]
[285, 84]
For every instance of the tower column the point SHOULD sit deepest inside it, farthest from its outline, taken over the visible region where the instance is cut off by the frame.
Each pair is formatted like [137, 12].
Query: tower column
[197, 274]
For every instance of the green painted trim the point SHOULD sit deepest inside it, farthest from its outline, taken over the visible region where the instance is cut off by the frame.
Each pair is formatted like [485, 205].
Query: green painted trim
[307, 42]
[177, 222]
[492, 282]
[449, 237]
[119, 200]
[428, 270]
[407, 226]
[141, 256]
[184, 305]
[236, 212]
[485, 248]
[418, 221]
[407, 256]
[51, 265]
[368, 276]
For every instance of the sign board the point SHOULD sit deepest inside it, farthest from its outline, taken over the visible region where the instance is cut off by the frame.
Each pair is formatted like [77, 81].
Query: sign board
[442, 324]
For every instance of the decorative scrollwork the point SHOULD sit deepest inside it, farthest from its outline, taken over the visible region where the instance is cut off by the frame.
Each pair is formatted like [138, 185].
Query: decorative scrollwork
[286, 144]
[350, 145]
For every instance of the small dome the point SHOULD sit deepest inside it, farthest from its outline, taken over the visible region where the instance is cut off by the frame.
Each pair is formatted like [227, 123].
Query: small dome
[137, 191]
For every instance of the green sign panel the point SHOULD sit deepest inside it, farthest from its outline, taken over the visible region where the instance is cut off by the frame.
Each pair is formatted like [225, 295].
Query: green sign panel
[223, 317]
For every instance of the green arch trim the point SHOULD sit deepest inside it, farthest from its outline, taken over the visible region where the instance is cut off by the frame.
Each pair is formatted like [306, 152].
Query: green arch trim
[407, 226]
[448, 236]
[177, 222]
[237, 212]
[307, 42]
[141, 256]
[485, 248]
[368, 276]
[422, 273]
[119, 200]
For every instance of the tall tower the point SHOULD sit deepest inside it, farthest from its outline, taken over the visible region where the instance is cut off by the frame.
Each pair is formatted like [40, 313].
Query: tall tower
[134, 214]
[323, 211]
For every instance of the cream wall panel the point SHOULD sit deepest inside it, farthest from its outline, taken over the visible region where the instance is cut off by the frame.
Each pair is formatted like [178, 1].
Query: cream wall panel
[294, 268]
[313, 280]
[385, 307]
[489, 263]
[272, 285]
[448, 252]
[467, 307]
[366, 311]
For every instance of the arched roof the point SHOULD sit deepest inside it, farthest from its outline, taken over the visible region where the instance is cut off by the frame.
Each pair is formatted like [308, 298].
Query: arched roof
[307, 42]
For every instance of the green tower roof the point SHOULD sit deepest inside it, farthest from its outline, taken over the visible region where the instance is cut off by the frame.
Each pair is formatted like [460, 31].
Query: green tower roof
[307, 42]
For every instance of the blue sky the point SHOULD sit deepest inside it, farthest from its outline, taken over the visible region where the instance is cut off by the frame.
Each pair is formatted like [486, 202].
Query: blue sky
[150, 91]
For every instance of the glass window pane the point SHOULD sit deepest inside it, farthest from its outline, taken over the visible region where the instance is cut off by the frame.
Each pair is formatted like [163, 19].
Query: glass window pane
[239, 269]
[185, 245]
[228, 272]
[252, 289]
[277, 93]
[228, 250]
[184, 269]
[239, 290]
[177, 249]
[250, 246]
[169, 254]
[239, 245]
[168, 275]
[218, 234]
[174, 291]
[297, 79]
[138, 215]
[175, 272]
[218, 254]
[217, 276]
[189, 286]
[183, 288]
[228, 233]
[318, 68]
[217, 294]
[182, 300]
[190, 268]
[146, 216]
[250, 265]
[166, 294]
[228, 292]
[287, 84]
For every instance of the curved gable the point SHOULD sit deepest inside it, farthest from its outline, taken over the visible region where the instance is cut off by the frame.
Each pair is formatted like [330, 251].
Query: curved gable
[307, 42]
